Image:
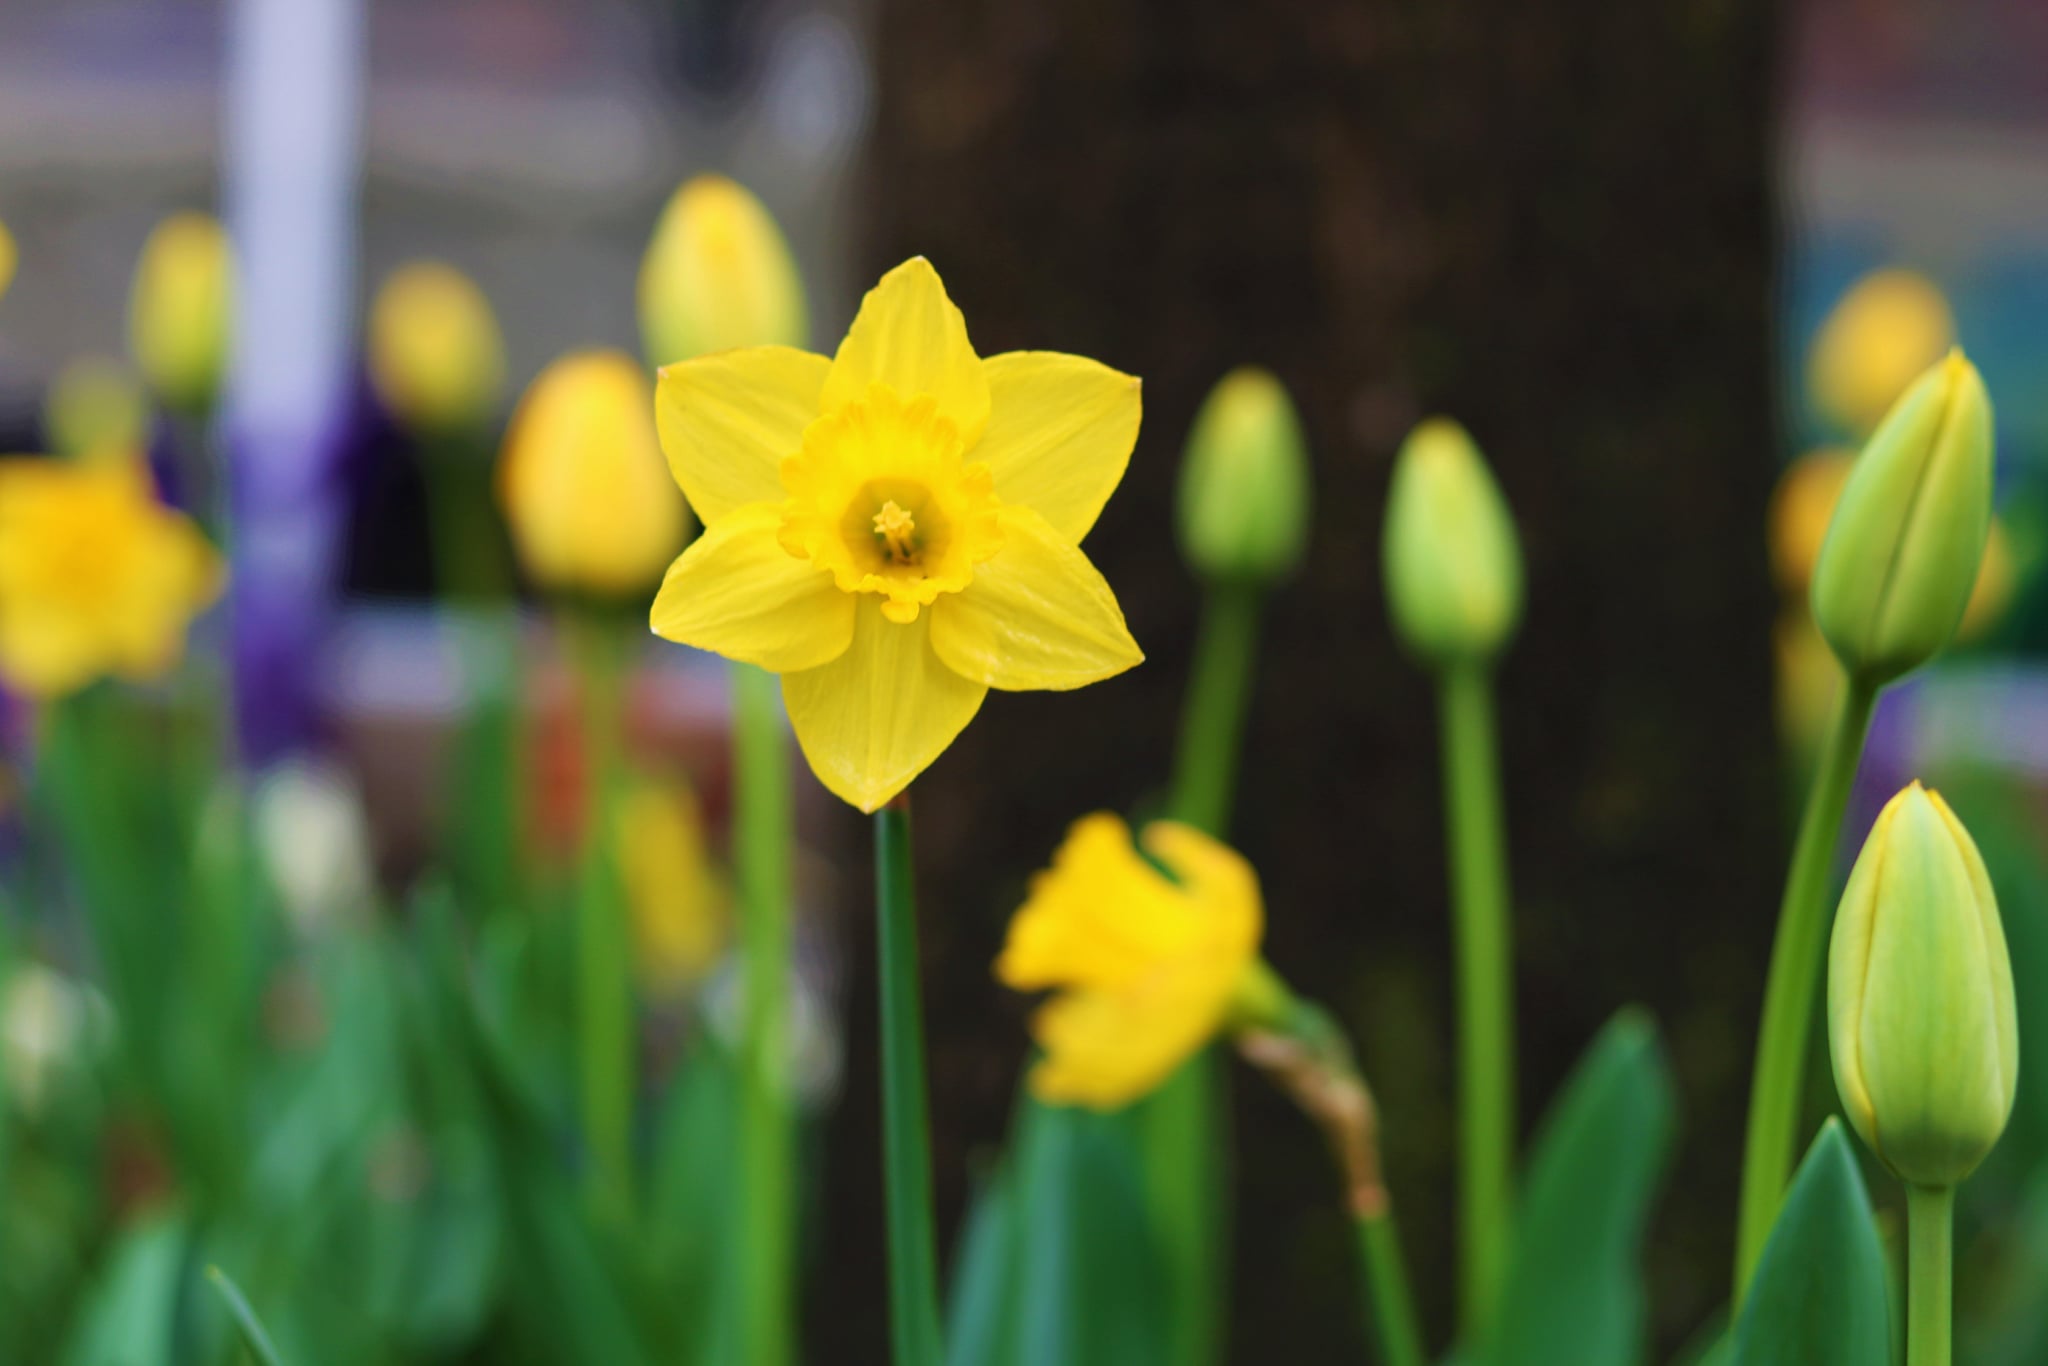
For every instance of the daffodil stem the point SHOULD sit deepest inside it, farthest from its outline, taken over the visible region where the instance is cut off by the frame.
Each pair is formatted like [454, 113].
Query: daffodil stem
[1930, 1274]
[1804, 915]
[763, 850]
[1485, 989]
[906, 1136]
[1392, 1303]
[604, 995]
[1212, 718]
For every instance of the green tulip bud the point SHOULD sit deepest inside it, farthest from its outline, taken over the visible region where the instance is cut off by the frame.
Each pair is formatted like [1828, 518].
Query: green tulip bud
[1920, 1002]
[1452, 562]
[1902, 549]
[180, 310]
[718, 275]
[1244, 485]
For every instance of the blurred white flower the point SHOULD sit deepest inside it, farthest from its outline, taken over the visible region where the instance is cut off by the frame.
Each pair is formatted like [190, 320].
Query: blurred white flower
[315, 841]
[47, 1022]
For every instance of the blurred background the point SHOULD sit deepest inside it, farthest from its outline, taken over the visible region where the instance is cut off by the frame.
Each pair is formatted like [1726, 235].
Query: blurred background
[1610, 238]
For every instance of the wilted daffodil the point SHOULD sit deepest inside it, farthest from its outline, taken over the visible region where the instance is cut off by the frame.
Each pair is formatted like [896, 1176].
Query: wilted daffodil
[1891, 325]
[1244, 486]
[718, 274]
[895, 530]
[97, 577]
[436, 357]
[181, 309]
[1452, 561]
[581, 478]
[1148, 966]
[1903, 548]
[1921, 1019]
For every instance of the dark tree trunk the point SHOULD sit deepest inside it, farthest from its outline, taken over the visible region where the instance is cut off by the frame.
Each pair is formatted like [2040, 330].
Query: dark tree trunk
[1551, 221]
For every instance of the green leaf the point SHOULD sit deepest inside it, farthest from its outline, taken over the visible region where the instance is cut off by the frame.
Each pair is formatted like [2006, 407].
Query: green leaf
[1573, 1290]
[1819, 1294]
[246, 1322]
[128, 1317]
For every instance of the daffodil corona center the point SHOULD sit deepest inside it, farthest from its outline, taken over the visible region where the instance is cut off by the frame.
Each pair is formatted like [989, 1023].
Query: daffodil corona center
[881, 496]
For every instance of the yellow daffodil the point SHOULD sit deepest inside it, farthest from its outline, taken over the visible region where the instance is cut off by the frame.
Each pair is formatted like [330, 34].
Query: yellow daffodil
[7, 259]
[1148, 967]
[181, 309]
[436, 357]
[581, 478]
[96, 407]
[96, 576]
[677, 902]
[895, 530]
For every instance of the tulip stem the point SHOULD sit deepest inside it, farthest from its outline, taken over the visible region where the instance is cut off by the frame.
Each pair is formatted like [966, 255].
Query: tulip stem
[762, 853]
[1783, 1036]
[1486, 1040]
[906, 1136]
[1930, 1274]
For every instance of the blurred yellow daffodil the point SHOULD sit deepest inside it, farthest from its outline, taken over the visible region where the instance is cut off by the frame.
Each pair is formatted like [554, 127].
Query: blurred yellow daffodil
[718, 274]
[436, 357]
[1802, 504]
[677, 900]
[896, 529]
[7, 259]
[181, 309]
[97, 577]
[1149, 966]
[1889, 327]
[581, 478]
[96, 407]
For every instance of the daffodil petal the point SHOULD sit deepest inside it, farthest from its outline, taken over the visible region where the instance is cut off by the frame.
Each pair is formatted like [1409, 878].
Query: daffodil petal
[728, 419]
[909, 336]
[1216, 878]
[1060, 433]
[738, 593]
[1099, 916]
[1105, 1049]
[876, 717]
[1037, 616]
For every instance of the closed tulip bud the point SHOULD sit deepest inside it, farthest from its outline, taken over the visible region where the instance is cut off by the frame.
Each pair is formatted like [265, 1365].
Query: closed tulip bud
[181, 308]
[585, 489]
[1244, 486]
[1891, 325]
[718, 275]
[436, 357]
[1452, 561]
[1902, 550]
[1920, 999]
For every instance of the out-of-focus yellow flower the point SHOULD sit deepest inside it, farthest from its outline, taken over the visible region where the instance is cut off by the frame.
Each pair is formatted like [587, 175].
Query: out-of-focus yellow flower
[1921, 1021]
[1808, 679]
[181, 309]
[581, 478]
[1801, 506]
[678, 902]
[436, 357]
[896, 530]
[7, 259]
[1890, 326]
[1992, 593]
[96, 407]
[1148, 967]
[1244, 486]
[718, 275]
[96, 576]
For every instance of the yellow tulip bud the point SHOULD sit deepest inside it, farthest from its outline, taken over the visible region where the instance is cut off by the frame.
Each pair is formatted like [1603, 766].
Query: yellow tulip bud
[96, 407]
[589, 498]
[1244, 483]
[1902, 551]
[1888, 328]
[718, 275]
[1452, 562]
[436, 357]
[7, 259]
[1920, 998]
[180, 310]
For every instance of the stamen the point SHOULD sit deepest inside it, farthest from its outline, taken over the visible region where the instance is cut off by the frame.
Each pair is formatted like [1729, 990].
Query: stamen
[897, 531]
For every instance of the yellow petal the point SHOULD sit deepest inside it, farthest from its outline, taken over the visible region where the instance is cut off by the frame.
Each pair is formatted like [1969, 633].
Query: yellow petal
[1217, 879]
[1105, 1049]
[1100, 916]
[727, 420]
[909, 336]
[876, 717]
[738, 593]
[1060, 432]
[1037, 616]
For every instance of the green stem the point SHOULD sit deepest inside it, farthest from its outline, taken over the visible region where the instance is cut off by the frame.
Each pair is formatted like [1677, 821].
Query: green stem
[1486, 1042]
[1386, 1289]
[763, 850]
[1804, 915]
[1930, 1274]
[604, 988]
[906, 1135]
[1212, 718]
